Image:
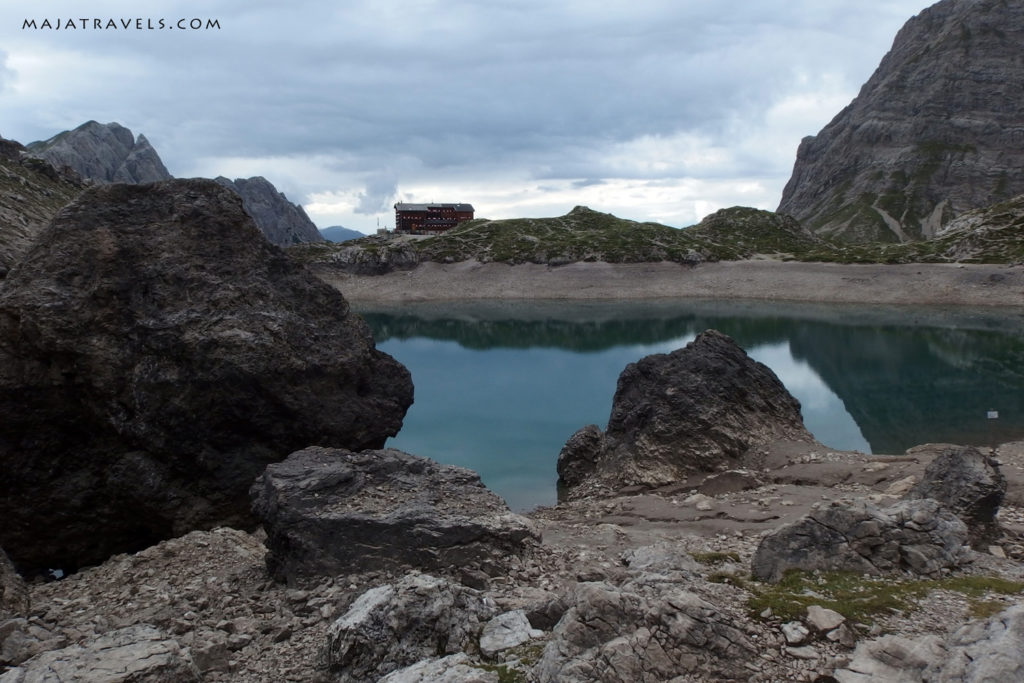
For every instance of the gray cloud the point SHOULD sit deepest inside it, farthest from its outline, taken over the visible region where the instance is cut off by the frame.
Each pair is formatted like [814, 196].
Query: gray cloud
[379, 194]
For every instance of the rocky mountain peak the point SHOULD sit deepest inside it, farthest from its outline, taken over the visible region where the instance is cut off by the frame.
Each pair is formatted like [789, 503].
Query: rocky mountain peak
[282, 222]
[934, 132]
[103, 153]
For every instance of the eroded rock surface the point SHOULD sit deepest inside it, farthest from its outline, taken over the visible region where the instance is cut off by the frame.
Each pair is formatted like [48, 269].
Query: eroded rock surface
[155, 356]
[616, 634]
[14, 600]
[969, 484]
[698, 409]
[331, 511]
[920, 536]
[134, 654]
[396, 625]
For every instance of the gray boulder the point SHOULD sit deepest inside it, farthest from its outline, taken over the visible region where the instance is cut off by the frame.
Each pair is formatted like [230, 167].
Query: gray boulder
[984, 651]
[457, 668]
[333, 511]
[617, 634]
[281, 222]
[919, 536]
[136, 654]
[103, 153]
[155, 356]
[397, 625]
[698, 409]
[970, 485]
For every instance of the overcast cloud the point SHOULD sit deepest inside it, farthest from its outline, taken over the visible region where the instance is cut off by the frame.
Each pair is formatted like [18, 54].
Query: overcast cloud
[658, 110]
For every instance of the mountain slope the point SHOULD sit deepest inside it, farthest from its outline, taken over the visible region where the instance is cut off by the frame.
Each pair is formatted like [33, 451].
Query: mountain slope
[935, 131]
[281, 221]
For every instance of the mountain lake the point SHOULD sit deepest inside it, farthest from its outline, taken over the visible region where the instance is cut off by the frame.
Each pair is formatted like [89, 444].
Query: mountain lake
[501, 385]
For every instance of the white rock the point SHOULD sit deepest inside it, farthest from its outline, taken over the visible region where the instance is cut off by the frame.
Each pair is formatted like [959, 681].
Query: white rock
[822, 619]
[505, 631]
[795, 632]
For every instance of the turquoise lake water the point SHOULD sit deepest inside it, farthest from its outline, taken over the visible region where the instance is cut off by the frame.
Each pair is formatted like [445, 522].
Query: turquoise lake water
[500, 386]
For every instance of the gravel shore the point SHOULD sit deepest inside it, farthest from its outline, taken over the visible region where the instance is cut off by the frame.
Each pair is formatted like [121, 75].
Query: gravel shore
[942, 284]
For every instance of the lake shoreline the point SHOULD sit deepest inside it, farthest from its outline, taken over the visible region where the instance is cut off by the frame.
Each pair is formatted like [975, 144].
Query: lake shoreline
[924, 283]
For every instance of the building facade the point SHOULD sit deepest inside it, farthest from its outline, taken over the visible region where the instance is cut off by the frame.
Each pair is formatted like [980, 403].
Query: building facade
[430, 219]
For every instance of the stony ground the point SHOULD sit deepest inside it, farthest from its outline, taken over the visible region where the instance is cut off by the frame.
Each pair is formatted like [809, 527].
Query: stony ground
[210, 590]
[938, 284]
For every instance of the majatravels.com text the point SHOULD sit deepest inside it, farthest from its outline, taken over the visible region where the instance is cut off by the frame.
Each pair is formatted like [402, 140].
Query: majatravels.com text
[136, 24]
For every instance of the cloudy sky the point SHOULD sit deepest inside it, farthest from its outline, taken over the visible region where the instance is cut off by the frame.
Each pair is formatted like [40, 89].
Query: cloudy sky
[661, 110]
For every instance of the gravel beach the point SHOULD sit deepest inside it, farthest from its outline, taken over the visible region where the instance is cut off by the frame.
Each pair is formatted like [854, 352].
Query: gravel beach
[935, 284]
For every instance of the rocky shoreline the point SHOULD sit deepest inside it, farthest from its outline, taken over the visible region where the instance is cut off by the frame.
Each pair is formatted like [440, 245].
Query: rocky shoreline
[931, 284]
[376, 565]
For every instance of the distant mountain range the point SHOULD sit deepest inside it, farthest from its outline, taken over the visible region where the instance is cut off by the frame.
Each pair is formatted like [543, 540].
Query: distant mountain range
[337, 233]
[110, 153]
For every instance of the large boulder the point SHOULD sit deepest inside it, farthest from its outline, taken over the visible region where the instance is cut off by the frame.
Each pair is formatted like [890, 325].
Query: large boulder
[396, 625]
[155, 355]
[631, 635]
[981, 651]
[915, 535]
[701, 408]
[969, 484]
[332, 511]
[135, 654]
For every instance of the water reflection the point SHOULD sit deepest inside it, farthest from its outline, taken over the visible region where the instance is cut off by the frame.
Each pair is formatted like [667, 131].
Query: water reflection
[500, 386]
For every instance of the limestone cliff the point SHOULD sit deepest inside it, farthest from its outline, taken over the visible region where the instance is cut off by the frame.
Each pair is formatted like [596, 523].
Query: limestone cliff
[935, 131]
[282, 222]
[103, 153]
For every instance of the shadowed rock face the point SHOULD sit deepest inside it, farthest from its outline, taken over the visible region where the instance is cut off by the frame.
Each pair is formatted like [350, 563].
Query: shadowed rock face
[331, 511]
[697, 409]
[155, 356]
[103, 153]
[933, 133]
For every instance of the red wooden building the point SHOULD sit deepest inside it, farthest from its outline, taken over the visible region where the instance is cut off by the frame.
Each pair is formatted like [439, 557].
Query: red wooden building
[430, 219]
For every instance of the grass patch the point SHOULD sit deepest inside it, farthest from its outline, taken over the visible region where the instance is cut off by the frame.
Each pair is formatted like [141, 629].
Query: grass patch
[715, 558]
[860, 598]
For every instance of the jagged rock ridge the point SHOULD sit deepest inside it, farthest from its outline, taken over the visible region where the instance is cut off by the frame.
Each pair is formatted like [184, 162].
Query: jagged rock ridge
[155, 355]
[103, 153]
[282, 222]
[31, 193]
[935, 131]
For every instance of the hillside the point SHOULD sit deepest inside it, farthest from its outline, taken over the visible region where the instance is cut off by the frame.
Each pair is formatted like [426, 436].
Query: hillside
[580, 235]
[933, 133]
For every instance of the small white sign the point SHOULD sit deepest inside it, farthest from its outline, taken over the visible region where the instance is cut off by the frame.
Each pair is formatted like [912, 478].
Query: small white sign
[993, 414]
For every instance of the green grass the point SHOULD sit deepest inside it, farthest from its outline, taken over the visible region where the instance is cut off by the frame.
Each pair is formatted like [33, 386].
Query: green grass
[862, 598]
[996, 236]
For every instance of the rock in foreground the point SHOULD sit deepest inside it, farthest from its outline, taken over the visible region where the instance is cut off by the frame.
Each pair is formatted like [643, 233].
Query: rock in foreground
[920, 536]
[135, 654]
[698, 409]
[332, 511]
[397, 625]
[970, 485]
[155, 355]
